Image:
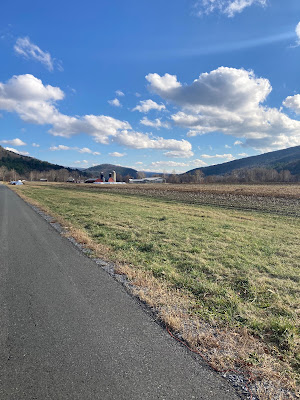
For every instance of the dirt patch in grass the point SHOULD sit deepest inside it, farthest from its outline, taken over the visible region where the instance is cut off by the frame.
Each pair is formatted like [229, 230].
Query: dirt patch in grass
[225, 281]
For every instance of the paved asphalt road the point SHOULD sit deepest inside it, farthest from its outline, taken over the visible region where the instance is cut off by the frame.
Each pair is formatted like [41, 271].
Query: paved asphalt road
[69, 331]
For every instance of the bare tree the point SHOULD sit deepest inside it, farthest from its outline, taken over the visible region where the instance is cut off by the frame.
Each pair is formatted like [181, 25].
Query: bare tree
[141, 175]
[3, 172]
[198, 176]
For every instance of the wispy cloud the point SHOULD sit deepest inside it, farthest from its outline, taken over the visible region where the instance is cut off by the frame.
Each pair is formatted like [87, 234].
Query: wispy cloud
[225, 156]
[82, 162]
[117, 154]
[228, 46]
[227, 7]
[80, 150]
[25, 48]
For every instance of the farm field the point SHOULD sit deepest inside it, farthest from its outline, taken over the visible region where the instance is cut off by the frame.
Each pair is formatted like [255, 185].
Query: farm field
[278, 199]
[219, 263]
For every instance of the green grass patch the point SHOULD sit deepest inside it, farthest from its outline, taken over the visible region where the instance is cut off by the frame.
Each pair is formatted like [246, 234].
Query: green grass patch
[241, 267]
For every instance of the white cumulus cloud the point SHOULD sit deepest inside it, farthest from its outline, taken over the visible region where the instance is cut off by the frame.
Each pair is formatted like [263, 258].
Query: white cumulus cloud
[138, 140]
[119, 93]
[162, 84]
[89, 151]
[60, 147]
[179, 153]
[80, 150]
[156, 123]
[36, 103]
[29, 50]
[147, 105]
[230, 101]
[13, 142]
[293, 102]
[115, 102]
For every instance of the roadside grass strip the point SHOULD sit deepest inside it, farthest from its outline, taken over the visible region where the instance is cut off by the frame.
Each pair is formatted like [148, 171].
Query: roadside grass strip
[226, 281]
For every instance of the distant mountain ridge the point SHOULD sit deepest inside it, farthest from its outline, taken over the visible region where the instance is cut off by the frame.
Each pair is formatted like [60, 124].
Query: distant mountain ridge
[25, 164]
[107, 168]
[286, 159]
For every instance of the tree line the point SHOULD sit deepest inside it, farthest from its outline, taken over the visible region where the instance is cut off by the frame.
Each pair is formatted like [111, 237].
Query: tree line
[243, 175]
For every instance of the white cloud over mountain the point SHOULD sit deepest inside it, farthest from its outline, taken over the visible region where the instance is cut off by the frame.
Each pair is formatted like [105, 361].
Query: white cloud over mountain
[222, 156]
[227, 7]
[174, 164]
[230, 101]
[14, 142]
[25, 48]
[22, 153]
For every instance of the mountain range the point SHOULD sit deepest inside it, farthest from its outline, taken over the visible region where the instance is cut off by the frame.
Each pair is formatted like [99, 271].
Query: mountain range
[107, 168]
[25, 164]
[287, 159]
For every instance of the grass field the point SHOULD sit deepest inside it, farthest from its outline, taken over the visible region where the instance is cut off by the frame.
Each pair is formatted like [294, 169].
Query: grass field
[234, 270]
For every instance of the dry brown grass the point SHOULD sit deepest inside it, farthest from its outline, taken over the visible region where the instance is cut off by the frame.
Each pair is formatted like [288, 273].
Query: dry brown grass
[224, 348]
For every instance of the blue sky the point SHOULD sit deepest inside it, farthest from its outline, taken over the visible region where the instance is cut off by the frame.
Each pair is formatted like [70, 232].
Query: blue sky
[158, 85]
